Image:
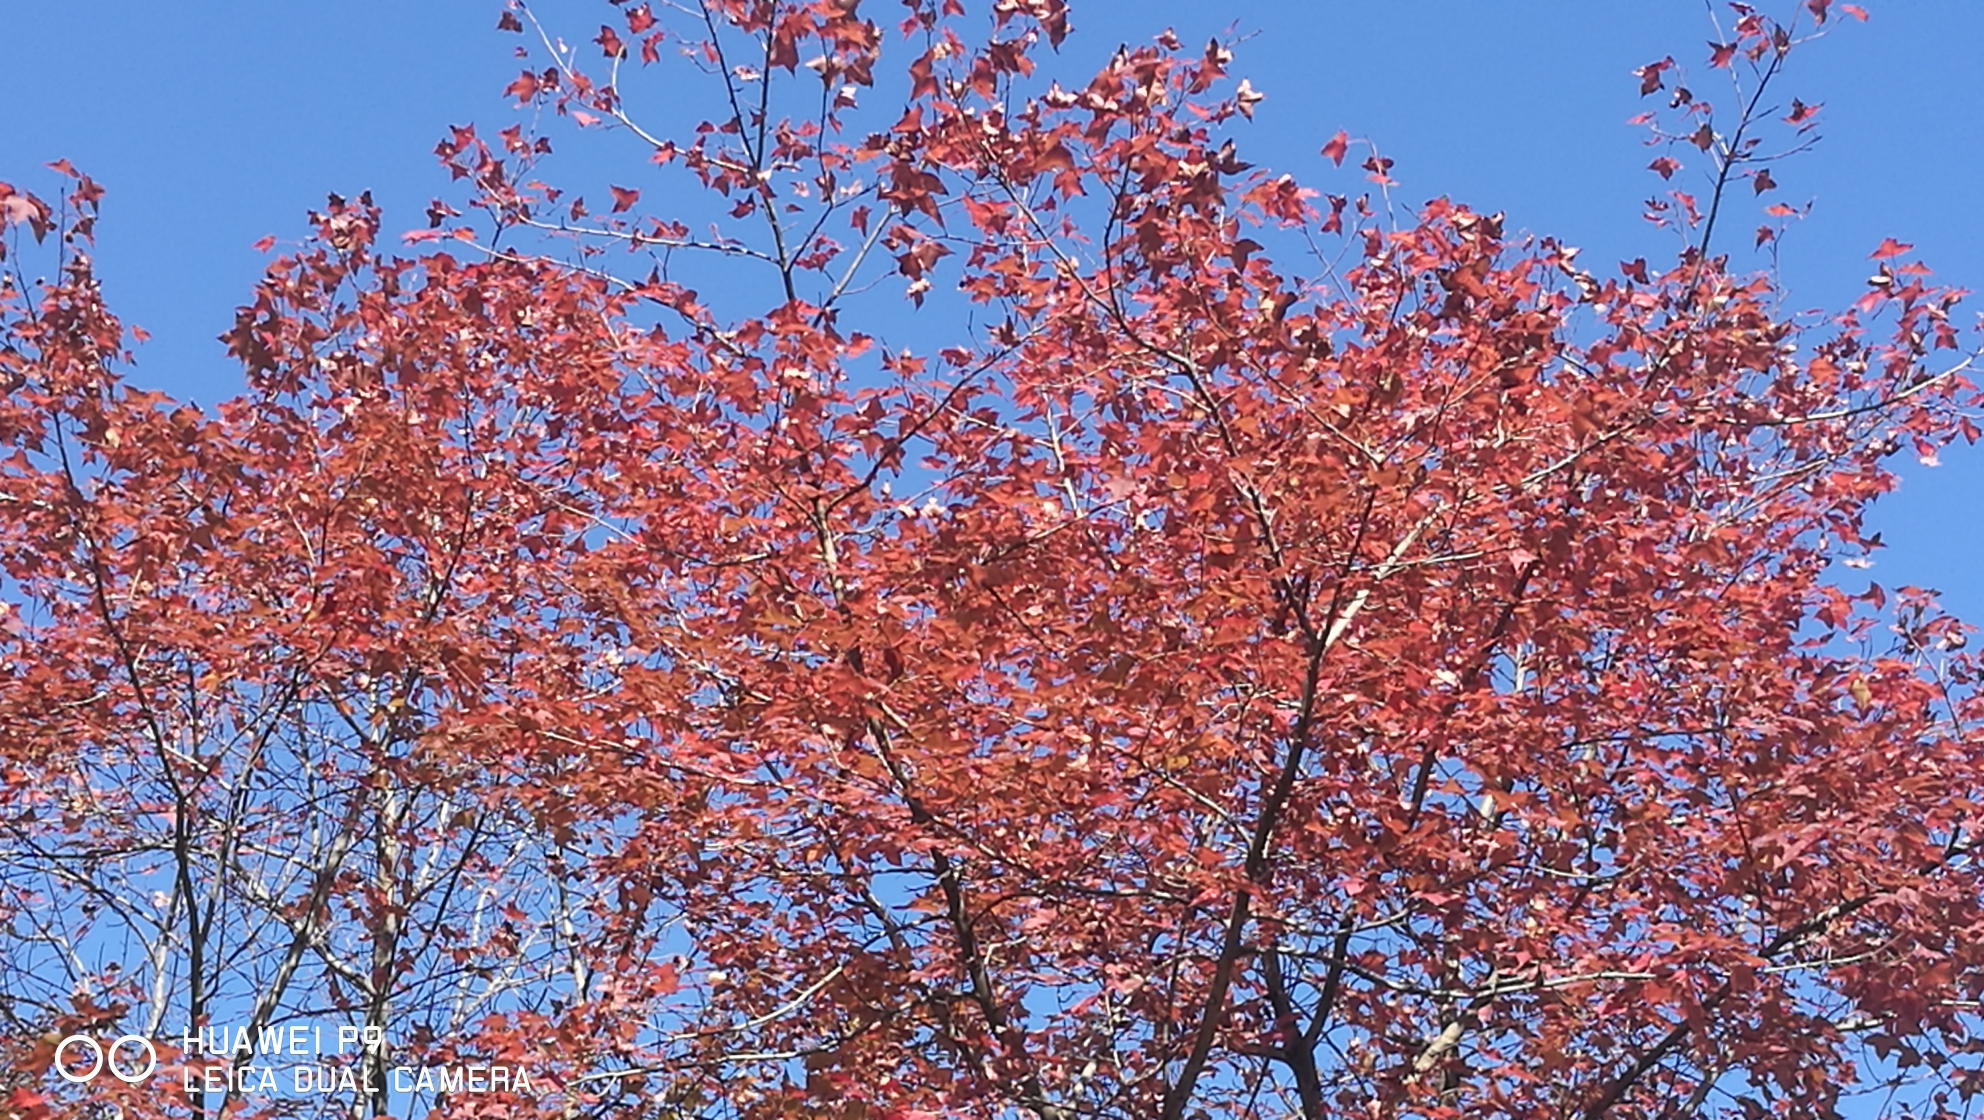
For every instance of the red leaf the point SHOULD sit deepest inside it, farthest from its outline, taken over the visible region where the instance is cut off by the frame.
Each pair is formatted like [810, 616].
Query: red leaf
[1889, 246]
[1665, 166]
[639, 19]
[26, 208]
[1854, 10]
[624, 198]
[1337, 146]
[1761, 182]
[1246, 97]
[265, 244]
[1649, 75]
[1053, 17]
[1334, 222]
[524, 88]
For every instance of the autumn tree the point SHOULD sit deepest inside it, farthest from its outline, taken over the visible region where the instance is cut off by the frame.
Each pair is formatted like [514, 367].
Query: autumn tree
[1264, 660]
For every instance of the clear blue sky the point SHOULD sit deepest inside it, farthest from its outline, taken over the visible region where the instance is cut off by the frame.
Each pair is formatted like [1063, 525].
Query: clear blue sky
[215, 122]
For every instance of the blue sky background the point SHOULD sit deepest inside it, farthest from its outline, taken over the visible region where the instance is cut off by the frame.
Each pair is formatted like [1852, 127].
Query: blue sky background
[214, 123]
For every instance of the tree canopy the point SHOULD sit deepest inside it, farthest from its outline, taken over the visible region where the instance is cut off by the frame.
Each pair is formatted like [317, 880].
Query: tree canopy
[1281, 655]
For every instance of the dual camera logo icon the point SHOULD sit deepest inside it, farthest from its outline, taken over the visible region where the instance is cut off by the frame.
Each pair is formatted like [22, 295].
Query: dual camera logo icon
[80, 1059]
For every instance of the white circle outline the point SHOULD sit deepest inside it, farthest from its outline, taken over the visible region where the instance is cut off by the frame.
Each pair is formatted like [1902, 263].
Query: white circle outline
[63, 1048]
[151, 1059]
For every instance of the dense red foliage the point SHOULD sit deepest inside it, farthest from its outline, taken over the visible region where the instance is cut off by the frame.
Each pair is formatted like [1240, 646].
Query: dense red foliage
[1419, 690]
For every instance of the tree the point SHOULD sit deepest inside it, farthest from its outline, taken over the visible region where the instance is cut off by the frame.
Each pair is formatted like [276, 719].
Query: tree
[1416, 689]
